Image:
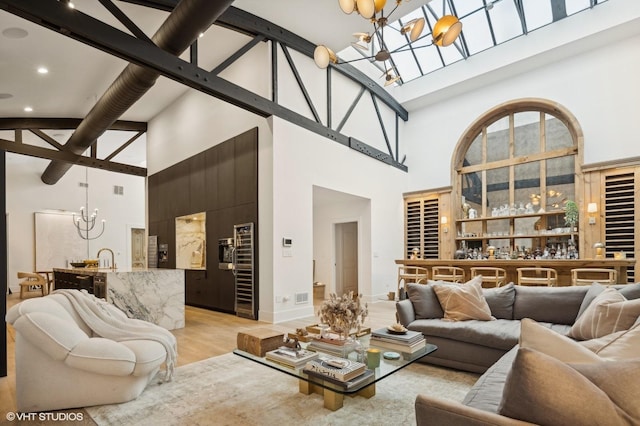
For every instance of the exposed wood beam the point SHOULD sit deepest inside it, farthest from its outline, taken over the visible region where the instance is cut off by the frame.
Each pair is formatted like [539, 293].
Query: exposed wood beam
[124, 145]
[50, 154]
[48, 139]
[64, 123]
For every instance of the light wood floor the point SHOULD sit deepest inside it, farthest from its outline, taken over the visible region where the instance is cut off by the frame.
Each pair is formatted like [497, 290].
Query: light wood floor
[206, 334]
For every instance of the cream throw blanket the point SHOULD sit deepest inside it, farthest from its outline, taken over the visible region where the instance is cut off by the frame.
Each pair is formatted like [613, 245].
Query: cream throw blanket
[101, 318]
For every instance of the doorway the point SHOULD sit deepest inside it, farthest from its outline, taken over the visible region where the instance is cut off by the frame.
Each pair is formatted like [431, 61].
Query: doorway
[346, 256]
[138, 251]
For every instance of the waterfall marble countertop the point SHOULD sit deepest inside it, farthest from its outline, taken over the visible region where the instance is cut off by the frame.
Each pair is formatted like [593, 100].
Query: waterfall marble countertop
[151, 294]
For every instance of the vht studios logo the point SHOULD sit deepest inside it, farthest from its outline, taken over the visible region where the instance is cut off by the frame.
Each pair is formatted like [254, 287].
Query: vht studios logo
[42, 417]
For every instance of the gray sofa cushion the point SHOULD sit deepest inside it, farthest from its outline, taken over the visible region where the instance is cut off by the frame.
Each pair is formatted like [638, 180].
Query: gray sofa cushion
[559, 305]
[500, 300]
[486, 393]
[424, 300]
[502, 334]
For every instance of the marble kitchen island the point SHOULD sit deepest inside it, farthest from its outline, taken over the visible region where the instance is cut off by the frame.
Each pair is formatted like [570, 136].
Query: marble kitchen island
[154, 295]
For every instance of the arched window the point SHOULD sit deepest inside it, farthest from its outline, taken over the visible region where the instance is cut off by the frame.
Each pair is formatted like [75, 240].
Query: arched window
[519, 160]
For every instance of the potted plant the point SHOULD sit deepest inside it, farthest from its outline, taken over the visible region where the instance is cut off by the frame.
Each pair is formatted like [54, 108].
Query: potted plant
[571, 214]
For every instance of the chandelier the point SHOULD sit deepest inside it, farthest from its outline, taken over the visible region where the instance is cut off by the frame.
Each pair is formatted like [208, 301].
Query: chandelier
[445, 32]
[85, 222]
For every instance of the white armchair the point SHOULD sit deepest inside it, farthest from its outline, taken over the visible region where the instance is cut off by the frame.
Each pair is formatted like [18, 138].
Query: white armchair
[61, 362]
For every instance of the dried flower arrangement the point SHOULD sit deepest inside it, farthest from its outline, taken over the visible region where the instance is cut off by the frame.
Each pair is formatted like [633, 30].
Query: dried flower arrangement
[343, 314]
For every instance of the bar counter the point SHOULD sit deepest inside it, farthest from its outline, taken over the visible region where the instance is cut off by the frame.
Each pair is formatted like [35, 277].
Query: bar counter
[562, 266]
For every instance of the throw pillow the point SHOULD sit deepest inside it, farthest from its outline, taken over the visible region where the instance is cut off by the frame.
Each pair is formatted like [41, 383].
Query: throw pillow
[500, 300]
[424, 300]
[543, 390]
[630, 291]
[621, 345]
[594, 290]
[462, 302]
[609, 312]
[544, 340]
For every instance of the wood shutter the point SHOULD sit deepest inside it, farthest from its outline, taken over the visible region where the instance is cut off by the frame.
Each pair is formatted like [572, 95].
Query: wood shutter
[620, 217]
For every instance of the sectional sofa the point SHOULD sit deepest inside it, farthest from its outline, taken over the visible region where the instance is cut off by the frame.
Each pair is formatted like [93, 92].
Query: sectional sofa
[494, 347]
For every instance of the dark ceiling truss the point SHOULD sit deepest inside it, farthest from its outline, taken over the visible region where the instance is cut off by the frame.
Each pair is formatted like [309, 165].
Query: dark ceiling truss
[86, 29]
[521, 15]
[36, 126]
[350, 110]
[301, 84]
[490, 24]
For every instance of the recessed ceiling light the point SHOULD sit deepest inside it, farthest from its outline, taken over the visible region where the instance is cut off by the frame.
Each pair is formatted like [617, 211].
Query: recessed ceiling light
[28, 109]
[71, 5]
[43, 70]
[6, 95]
[15, 32]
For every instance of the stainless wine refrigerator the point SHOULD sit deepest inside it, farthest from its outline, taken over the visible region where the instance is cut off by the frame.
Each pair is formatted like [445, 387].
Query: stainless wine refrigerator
[243, 270]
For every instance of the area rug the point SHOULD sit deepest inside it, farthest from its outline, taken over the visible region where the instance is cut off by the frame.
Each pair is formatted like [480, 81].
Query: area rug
[231, 390]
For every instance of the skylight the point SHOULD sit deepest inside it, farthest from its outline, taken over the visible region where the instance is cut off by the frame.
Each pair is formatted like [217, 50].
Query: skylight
[485, 24]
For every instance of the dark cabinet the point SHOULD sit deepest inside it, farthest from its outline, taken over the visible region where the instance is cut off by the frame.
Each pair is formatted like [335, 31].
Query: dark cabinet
[197, 291]
[93, 284]
[222, 182]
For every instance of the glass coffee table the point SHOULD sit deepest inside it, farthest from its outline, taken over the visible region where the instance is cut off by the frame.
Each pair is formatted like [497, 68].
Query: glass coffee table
[334, 393]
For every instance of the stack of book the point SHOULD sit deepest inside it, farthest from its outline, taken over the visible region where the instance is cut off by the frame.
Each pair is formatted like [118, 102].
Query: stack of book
[341, 371]
[407, 342]
[294, 358]
[336, 347]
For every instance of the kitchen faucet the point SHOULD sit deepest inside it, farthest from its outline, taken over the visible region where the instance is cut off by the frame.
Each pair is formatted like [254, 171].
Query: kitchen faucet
[113, 260]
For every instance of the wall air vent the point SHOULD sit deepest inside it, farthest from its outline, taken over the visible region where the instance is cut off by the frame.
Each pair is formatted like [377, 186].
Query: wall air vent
[118, 190]
[302, 298]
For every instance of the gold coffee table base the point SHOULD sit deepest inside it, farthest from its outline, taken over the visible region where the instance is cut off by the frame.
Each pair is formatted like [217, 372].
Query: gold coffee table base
[333, 400]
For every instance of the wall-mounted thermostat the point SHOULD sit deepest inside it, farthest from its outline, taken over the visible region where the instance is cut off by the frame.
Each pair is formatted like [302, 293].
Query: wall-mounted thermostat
[286, 242]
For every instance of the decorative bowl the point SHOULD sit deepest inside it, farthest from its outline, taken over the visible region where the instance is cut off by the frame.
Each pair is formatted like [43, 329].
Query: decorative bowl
[77, 264]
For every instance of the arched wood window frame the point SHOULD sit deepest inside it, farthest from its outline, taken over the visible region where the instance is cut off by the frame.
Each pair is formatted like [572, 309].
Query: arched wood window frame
[509, 109]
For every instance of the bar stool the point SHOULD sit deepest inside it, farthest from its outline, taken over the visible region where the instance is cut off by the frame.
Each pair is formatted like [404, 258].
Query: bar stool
[412, 274]
[537, 276]
[31, 279]
[587, 276]
[492, 277]
[452, 274]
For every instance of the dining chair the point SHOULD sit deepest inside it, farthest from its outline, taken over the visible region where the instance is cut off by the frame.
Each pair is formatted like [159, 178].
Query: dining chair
[411, 274]
[587, 276]
[491, 277]
[452, 274]
[537, 276]
[29, 280]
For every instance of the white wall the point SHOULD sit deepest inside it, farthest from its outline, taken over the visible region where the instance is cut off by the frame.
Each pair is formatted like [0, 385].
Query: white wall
[303, 160]
[599, 85]
[27, 194]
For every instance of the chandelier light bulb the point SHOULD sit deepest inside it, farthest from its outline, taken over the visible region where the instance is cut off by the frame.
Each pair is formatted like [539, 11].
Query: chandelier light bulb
[414, 28]
[322, 55]
[379, 5]
[366, 8]
[446, 30]
[347, 6]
